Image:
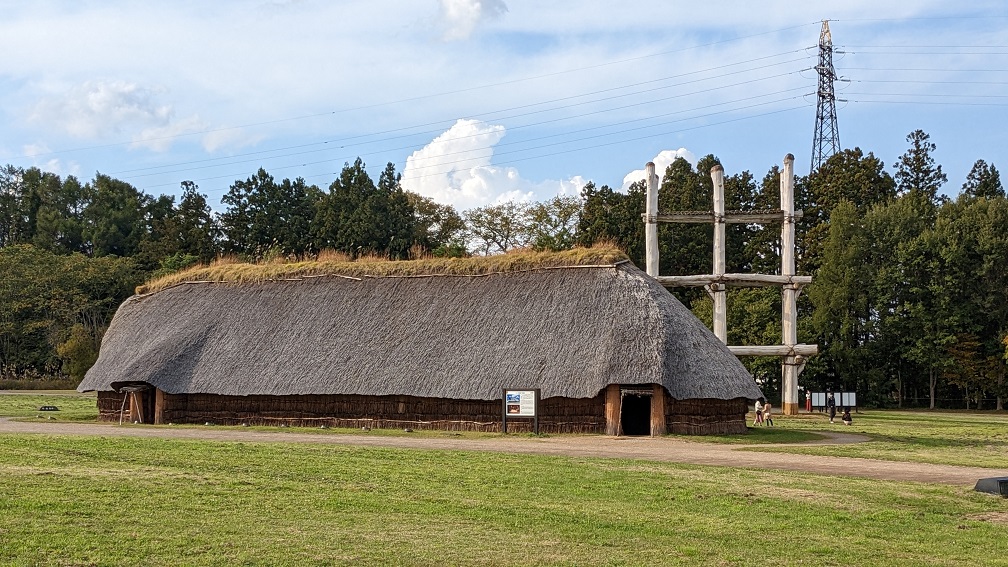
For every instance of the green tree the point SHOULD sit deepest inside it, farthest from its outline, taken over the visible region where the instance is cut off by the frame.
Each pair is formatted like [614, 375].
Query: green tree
[358, 217]
[439, 228]
[114, 222]
[78, 352]
[840, 297]
[495, 229]
[917, 171]
[59, 224]
[983, 181]
[49, 300]
[608, 215]
[198, 229]
[553, 223]
[849, 176]
[263, 216]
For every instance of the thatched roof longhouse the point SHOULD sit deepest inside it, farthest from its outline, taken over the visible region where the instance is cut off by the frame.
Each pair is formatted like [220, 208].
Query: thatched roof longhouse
[570, 331]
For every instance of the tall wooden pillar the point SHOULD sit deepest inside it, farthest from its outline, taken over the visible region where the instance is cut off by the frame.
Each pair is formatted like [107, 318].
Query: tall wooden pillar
[658, 411]
[789, 310]
[159, 402]
[651, 220]
[613, 400]
[719, 294]
[136, 407]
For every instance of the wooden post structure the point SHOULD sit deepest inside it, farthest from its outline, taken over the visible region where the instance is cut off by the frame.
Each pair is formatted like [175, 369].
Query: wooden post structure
[789, 308]
[613, 401]
[651, 220]
[717, 290]
[793, 355]
[159, 402]
[658, 411]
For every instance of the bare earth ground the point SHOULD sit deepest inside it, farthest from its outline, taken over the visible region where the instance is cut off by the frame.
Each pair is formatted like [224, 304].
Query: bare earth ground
[646, 448]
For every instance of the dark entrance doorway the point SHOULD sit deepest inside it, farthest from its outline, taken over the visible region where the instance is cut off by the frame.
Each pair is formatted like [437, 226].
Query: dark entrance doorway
[635, 412]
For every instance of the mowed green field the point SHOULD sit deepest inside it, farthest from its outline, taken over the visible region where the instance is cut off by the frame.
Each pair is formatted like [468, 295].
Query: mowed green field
[132, 501]
[977, 439]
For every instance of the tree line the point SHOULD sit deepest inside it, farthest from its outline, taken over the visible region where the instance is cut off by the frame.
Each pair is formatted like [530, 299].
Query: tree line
[907, 304]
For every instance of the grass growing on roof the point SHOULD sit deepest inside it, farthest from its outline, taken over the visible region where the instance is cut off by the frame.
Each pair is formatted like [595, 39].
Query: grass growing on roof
[113, 501]
[229, 271]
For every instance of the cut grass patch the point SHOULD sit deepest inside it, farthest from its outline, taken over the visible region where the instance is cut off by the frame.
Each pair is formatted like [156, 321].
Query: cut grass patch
[952, 438]
[119, 501]
[72, 405]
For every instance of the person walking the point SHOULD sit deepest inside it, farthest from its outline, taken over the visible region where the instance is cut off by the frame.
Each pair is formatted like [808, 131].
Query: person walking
[767, 414]
[831, 407]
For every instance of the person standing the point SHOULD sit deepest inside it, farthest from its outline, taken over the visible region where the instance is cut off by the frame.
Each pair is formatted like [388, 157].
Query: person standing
[767, 414]
[831, 407]
[808, 401]
[758, 420]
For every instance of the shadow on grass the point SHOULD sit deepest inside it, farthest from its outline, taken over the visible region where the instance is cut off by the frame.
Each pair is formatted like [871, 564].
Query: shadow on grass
[758, 436]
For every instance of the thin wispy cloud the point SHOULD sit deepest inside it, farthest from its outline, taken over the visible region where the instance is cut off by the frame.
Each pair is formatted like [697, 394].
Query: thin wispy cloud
[461, 17]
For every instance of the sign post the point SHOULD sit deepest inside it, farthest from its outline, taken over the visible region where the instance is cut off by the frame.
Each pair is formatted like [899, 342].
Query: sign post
[520, 403]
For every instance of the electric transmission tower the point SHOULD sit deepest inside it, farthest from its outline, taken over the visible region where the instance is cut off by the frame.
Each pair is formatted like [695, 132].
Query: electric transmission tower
[827, 138]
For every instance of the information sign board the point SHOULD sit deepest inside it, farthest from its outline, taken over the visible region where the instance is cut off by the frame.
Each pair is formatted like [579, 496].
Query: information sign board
[520, 403]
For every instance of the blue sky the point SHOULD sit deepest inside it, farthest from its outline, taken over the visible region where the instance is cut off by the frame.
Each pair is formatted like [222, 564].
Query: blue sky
[481, 100]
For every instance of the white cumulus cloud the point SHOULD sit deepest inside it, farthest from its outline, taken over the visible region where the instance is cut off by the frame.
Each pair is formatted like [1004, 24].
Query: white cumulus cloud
[456, 168]
[661, 161]
[460, 17]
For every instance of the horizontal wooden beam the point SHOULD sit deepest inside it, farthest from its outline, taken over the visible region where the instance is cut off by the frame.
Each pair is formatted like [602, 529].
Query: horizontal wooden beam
[775, 350]
[734, 280]
[730, 217]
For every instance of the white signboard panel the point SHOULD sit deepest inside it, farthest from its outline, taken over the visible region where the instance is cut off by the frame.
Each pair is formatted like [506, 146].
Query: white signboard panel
[520, 403]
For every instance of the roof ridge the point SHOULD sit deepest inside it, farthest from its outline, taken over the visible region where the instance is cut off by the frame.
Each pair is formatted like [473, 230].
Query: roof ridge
[387, 276]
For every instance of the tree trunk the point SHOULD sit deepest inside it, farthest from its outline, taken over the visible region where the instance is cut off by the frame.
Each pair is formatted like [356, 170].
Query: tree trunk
[933, 382]
[899, 390]
[1000, 403]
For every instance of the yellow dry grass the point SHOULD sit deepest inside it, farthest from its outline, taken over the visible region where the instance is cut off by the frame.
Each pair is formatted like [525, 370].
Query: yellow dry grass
[229, 270]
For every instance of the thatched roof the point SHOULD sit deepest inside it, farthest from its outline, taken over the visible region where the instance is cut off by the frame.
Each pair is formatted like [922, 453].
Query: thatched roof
[568, 330]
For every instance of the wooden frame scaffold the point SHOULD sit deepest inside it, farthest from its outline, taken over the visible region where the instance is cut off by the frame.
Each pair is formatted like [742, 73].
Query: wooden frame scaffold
[793, 355]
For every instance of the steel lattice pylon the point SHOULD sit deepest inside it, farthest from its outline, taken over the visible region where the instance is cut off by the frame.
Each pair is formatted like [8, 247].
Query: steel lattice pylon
[827, 138]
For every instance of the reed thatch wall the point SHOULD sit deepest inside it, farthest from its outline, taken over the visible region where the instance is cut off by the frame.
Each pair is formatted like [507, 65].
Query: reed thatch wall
[558, 415]
[706, 416]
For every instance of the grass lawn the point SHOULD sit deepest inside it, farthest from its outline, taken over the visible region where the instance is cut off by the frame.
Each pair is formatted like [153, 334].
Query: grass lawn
[26, 403]
[131, 501]
[943, 437]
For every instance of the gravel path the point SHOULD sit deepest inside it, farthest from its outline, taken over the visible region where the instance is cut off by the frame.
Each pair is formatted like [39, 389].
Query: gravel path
[646, 448]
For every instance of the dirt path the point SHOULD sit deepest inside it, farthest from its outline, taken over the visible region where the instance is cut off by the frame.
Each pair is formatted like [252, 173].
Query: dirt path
[654, 449]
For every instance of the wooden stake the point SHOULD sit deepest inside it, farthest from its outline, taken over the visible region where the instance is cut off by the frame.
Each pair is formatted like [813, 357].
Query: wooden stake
[789, 310]
[651, 222]
[718, 292]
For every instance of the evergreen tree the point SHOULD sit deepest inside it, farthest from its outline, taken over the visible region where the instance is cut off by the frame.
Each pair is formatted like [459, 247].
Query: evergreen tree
[983, 181]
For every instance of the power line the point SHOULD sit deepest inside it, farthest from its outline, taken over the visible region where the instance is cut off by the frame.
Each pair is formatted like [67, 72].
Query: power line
[420, 97]
[540, 156]
[513, 128]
